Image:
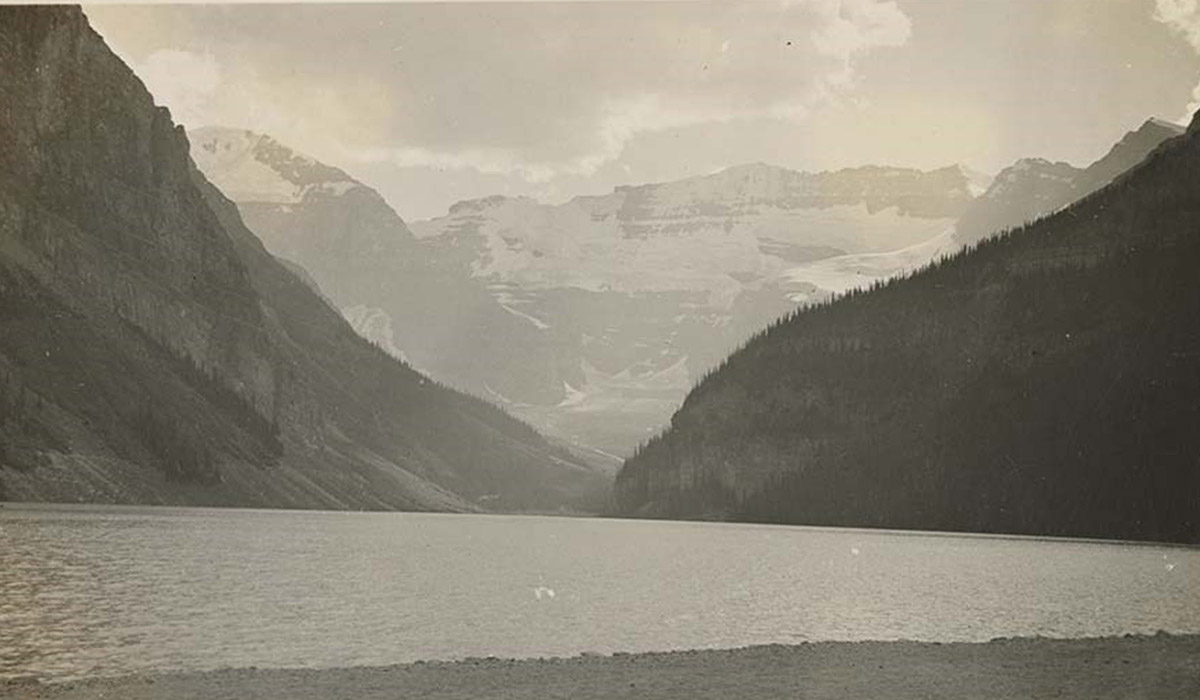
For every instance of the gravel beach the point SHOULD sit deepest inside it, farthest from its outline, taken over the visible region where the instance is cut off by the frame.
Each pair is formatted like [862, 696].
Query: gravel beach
[1157, 667]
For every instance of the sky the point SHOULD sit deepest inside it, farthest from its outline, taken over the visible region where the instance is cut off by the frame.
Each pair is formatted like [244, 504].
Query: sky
[434, 103]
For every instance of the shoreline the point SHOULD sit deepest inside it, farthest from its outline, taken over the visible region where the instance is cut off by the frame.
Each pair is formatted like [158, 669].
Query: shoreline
[611, 517]
[1162, 666]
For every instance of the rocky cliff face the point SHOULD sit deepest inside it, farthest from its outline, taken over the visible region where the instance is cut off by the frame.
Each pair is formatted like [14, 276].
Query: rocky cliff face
[1042, 383]
[154, 352]
[717, 234]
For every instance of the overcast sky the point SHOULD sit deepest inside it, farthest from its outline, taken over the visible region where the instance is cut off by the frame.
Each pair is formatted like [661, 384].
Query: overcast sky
[434, 103]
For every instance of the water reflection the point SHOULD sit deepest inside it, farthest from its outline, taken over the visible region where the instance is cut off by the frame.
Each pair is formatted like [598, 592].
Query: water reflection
[90, 591]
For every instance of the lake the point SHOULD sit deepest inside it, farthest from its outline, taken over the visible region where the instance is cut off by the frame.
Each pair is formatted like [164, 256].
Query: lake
[90, 590]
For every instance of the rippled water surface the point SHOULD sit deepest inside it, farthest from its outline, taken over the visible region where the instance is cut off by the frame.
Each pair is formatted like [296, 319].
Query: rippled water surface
[111, 590]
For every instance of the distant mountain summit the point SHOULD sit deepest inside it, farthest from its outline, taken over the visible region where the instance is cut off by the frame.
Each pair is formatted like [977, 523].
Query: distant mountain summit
[1131, 150]
[757, 187]
[256, 168]
[1034, 187]
[315, 216]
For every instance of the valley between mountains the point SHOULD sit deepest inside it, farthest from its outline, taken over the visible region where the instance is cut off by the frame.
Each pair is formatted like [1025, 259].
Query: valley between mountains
[591, 319]
[212, 317]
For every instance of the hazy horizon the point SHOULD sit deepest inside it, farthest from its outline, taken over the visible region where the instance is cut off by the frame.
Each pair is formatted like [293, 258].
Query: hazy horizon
[436, 103]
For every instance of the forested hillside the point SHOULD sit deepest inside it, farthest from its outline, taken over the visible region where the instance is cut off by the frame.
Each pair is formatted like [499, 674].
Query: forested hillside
[1042, 382]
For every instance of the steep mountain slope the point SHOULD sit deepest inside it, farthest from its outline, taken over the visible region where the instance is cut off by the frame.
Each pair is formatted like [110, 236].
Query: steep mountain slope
[316, 216]
[1045, 382]
[1034, 187]
[153, 352]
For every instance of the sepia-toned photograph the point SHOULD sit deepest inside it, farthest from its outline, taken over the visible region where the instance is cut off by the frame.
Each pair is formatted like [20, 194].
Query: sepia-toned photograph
[590, 349]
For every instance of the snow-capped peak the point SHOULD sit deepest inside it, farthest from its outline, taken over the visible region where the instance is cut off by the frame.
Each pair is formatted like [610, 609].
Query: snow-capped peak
[252, 167]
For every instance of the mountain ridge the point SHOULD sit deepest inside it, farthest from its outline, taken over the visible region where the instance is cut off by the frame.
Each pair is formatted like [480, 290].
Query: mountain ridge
[1034, 187]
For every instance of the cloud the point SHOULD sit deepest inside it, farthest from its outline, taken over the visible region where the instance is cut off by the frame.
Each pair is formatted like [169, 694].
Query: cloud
[437, 102]
[616, 123]
[660, 70]
[841, 31]
[535, 91]
[851, 27]
[848, 29]
[1183, 17]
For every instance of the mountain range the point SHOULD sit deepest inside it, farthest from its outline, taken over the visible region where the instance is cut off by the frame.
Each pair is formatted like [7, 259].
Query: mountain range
[1043, 381]
[592, 318]
[154, 351]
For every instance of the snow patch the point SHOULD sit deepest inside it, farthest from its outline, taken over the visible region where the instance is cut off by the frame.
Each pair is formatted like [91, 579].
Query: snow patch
[840, 274]
[508, 301]
[671, 247]
[337, 189]
[376, 326]
[537, 322]
[226, 157]
[574, 397]
[233, 160]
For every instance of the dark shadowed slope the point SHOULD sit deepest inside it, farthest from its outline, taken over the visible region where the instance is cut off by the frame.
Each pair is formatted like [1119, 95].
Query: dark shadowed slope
[1045, 382]
[151, 351]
